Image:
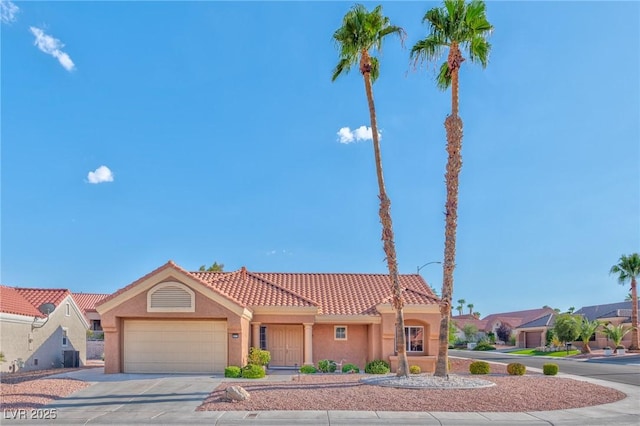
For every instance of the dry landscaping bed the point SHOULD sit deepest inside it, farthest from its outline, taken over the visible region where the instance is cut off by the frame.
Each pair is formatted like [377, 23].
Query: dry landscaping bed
[531, 392]
[34, 390]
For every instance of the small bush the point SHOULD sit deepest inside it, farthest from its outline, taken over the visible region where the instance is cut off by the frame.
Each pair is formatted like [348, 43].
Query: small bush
[350, 368]
[414, 369]
[479, 367]
[233, 372]
[377, 366]
[516, 369]
[327, 366]
[308, 369]
[258, 356]
[550, 369]
[252, 371]
[484, 346]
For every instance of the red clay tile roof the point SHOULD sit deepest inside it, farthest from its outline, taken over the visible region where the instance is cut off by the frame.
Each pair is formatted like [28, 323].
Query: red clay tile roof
[12, 302]
[333, 294]
[87, 301]
[349, 294]
[463, 320]
[251, 290]
[38, 296]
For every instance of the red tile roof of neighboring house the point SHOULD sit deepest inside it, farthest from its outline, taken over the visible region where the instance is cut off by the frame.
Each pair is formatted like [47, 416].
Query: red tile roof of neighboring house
[39, 296]
[12, 302]
[462, 320]
[87, 301]
[333, 294]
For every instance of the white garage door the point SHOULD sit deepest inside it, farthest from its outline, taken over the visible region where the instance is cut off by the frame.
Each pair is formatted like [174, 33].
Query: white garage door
[154, 346]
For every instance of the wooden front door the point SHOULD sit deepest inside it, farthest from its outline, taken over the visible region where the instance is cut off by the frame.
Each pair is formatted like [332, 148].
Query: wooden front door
[285, 344]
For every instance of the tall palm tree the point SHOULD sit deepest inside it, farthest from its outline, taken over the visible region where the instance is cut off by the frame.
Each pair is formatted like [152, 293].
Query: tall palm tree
[628, 269]
[460, 306]
[456, 26]
[470, 306]
[361, 32]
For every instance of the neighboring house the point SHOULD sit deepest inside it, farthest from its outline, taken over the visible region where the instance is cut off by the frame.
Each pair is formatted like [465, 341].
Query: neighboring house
[87, 303]
[31, 340]
[613, 313]
[460, 321]
[514, 319]
[172, 320]
[533, 334]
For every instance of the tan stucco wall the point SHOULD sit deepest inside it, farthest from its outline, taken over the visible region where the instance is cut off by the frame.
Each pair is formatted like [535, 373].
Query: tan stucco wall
[205, 308]
[353, 350]
[46, 345]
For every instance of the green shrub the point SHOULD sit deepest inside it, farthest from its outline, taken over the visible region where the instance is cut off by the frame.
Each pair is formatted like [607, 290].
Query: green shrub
[308, 369]
[258, 356]
[550, 369]
[414, 369]
[252, 371]
[327, 366]
[484, 346]
[377, 366]
[233, 372]
[516, 369]
[479, 367]
[350, 368]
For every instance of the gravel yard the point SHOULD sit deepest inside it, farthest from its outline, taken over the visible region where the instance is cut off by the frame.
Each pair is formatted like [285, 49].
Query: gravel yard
[531, 392]
[34, 389]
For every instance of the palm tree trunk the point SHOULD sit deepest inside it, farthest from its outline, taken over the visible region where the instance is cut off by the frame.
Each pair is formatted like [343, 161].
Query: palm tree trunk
[387, 226]
[453, 126]
[635, 345]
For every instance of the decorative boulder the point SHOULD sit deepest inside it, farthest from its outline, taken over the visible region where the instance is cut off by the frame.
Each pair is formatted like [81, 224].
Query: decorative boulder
[236, 393]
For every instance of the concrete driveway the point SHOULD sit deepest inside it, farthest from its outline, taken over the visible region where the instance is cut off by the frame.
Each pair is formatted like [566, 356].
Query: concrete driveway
[135, 398]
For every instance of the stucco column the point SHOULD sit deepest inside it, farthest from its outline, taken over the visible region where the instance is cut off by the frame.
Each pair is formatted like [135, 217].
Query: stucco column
[255, 334]
[308, 344]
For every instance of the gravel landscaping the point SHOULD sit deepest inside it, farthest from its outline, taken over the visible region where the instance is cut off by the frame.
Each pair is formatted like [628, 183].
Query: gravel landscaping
[531, 392]
[34, 389]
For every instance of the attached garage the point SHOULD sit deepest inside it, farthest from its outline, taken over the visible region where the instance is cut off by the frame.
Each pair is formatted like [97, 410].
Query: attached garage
[530, 339]
[170, 346]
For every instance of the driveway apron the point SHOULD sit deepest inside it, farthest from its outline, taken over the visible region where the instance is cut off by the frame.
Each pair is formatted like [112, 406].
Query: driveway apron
[134, 398]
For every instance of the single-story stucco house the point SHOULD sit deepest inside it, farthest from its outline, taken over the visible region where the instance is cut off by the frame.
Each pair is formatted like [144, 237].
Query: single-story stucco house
[31, 340]
[172, 320]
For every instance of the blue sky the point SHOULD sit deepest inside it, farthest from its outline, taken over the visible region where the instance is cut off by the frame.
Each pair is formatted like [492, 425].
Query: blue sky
[218, 125]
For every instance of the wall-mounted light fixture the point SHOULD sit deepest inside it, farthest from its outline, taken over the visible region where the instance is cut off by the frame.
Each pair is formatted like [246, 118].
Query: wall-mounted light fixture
[234, 335]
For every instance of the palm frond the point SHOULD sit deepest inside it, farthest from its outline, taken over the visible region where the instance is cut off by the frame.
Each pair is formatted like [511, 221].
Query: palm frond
[375, 69]
[430, 48]
[479, 50]
[343, 67]
[443, 80]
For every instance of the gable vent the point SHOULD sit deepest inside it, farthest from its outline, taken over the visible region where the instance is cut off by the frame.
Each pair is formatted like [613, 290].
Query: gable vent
[171, 297]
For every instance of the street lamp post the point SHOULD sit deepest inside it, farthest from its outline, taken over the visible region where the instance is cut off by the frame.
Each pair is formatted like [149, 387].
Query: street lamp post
[428, 263]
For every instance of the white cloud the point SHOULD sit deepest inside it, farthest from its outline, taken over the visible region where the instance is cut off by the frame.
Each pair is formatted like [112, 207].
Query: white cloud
[99, 175]
[8, 11]
[52, 46]
[362, 133]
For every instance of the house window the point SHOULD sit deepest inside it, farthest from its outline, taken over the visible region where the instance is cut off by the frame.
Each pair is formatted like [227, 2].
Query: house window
[67, 310]
[340, 332]
[414, 337]
[263, 337]
[65, 338]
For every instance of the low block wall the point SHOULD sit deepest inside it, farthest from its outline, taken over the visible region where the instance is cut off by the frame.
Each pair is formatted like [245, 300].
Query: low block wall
[95, 349]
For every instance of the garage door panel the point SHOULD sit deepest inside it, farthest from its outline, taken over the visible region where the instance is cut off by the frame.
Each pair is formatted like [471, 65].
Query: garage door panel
[175, 346]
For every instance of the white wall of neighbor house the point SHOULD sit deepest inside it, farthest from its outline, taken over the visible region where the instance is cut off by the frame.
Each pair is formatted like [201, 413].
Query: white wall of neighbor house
[36, 348]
